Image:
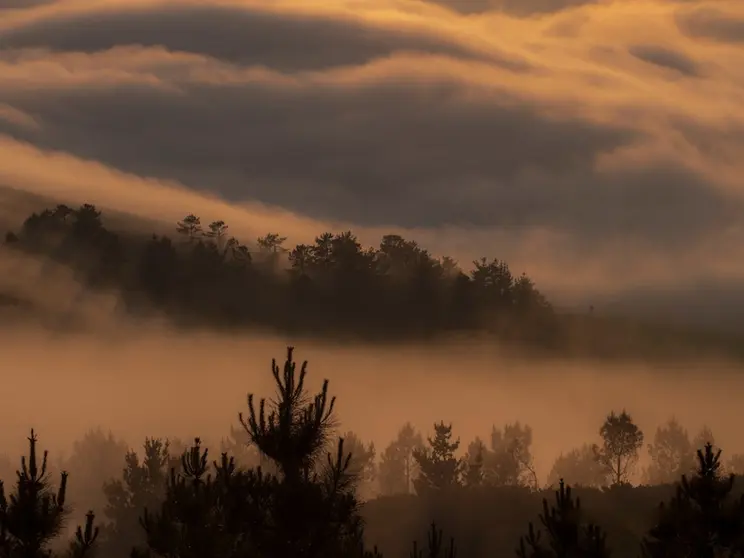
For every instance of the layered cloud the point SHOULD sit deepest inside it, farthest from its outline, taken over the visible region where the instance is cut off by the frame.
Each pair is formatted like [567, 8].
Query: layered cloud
[596, 145]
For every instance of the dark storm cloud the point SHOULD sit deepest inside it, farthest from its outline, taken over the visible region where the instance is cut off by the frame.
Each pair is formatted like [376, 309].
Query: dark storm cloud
[712, 23]
[518, 8]
[20, 4]
[377, 156]
[241, 35]
[666, 58]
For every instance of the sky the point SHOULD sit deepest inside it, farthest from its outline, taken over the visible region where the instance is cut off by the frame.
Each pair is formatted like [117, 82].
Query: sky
[596, 145]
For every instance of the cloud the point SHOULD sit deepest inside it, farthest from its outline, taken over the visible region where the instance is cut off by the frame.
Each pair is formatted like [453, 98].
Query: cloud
[712, 23]
[247, 35]
[567, 142]
[521, 8]
[22, 4]
[666, 58]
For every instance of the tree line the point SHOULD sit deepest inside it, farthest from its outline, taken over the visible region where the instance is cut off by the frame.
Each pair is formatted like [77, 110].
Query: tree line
[203, 276]
[301, 498]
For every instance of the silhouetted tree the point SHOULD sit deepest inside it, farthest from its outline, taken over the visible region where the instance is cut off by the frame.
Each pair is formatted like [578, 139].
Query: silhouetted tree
[671, 454]
[579, 467]
[703, 437]
[217, 231]
[398, 467]
[305, 510]
[362, 465]
[190, 227]
[473, 476]
[238, 446]
[621, 440]
[510, 463]
[205, 515]
[435, 547]
[439, 468]
[32, 516]
[95, 459]
[142, 486]
[703, 519]
[568, 533]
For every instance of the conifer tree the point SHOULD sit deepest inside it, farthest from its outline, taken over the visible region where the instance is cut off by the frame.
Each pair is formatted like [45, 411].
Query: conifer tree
[438, 465]
[33, 515]
[568, 535]
[307, 509]
[510, 463]
[474, 470]
[205, 514]
[671, 454]
[397, 464]
[142, 486]
[703, 519]
[314, 506]
[435, 547]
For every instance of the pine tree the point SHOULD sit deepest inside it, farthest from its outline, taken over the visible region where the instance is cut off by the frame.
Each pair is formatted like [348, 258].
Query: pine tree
[702, 519]
[567, 533]
[32, 516]
[142, 486]
[206, 515]
[438, 465]
[307, 509]
[474, 470]
[435, 547]
[397, 465]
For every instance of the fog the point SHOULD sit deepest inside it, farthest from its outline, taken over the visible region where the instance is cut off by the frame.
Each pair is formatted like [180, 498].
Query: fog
[145, 378]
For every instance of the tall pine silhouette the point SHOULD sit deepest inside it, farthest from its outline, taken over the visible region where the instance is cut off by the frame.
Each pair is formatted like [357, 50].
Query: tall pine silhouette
[307, 509]
[33, 515]
[568, 534]
[703, 519]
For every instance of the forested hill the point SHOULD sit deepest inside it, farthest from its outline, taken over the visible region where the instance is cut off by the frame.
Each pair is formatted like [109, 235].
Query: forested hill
[201, 275]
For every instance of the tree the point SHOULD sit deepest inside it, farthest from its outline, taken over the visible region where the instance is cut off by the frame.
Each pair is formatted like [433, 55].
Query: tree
[305, 510]
[568, 533]
[142, 486]
[578, 467]
[32, 516]
[202, 515]
[190, 227]
[217, 231]
[703, 437]
[362, 465]
[510, 461]
[392, 471]
[86, 223]
[621, 440]
[313, 515]
[96, 457]
[473, 476]
[435, 547]
[703, 519]
[398, 467]
[439, 467]
[238, 446]
[671, 454]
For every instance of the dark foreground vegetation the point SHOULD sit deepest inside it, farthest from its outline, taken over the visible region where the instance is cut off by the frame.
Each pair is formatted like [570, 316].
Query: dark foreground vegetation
[286, 486]
[398, 291]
